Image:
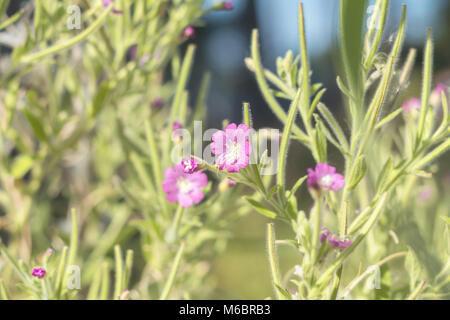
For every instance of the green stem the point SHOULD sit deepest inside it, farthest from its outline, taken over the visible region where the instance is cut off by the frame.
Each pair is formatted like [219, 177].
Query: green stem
[69, 43]
[273, 261]
[168, 286]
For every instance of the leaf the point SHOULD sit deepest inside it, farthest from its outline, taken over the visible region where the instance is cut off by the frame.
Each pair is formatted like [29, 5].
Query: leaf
[283, 292]
[358, 172]
[100, 98]
[22, 164]
[334, 125]
[296, 186]
[384, 175]
[260, 208]
[273, 190]
[303, 230]
[285, 142]
[11, 20]
[36, 126]
[68, 43]
[320, 142]
[426, 84]
[414, 269]
[351, 24]
[388, 118]
[173, 272]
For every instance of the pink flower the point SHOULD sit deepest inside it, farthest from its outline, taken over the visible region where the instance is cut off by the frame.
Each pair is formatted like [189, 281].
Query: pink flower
[189, 32]
[411, 106]
[336, 243]
[324, 177]
[324, 235]
[189, 165]
[227, 5]
[332, 240]
[436, 94]
[183, 187]
[232, 147]
[176, 125]
[107, 3]
[38, 272]
[231, 183]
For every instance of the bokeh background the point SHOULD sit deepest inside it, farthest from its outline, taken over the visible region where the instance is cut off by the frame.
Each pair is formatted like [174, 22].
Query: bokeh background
[222, 46]
[224, 42]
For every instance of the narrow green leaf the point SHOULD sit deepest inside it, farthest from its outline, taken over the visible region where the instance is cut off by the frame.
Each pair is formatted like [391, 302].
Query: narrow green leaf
[22, 164]
[285, 142]
[154, 157]
[100, 98]
[377, 23]
[388, 118]
[260, 208]
[128, 268]
[358, 172]
[104, 289]
[334, 125]
[5, 24]
[36, 125]
[119, 280]
[169, 283]
[426, 85]
[69, 43]
[384, 175]
[181, 84]
[264, 87]
[351, 24]
[60, 272]
[4, 295]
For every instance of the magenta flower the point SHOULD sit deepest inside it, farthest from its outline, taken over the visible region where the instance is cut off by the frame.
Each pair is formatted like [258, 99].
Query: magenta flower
[232, 147]
[189, 165]
[336, 243]
[38, 272]
[189, 32]
[158, 103]
[183, 187]
[324, 177]
[227, 5]
[107, 3]
[324, 235]
[176, 125]
[411, 106]
[177, 133]
[332, 240]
